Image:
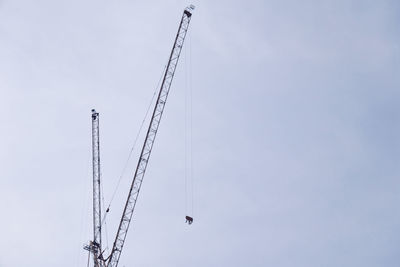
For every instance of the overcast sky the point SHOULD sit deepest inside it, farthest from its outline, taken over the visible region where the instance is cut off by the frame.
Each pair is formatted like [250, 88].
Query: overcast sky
[296, 131]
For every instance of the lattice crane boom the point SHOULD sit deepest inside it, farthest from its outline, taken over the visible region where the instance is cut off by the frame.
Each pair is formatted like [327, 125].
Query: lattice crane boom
[149, 140]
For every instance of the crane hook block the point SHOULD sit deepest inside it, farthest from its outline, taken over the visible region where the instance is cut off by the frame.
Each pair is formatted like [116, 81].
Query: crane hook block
[189, 220]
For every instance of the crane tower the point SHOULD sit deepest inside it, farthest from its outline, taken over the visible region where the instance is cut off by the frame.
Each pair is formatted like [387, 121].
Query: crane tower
[95, 245]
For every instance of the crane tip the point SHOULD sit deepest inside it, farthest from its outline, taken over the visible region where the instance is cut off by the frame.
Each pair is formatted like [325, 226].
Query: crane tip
[189, 9]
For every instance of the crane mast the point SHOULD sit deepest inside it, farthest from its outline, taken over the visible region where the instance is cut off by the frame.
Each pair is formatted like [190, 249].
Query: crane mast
[95, 245]
[149, 140]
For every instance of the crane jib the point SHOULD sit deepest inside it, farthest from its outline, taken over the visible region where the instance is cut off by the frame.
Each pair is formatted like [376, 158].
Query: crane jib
[113, 258]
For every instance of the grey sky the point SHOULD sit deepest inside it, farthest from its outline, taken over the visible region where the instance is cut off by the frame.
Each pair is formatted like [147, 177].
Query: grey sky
[296, 122]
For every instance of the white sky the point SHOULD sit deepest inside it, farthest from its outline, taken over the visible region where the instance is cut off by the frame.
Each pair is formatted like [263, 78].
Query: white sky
[296, 126]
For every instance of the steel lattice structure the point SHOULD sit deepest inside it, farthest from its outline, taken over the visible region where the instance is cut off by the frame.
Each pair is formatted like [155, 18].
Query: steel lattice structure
[149, 140]
[95, 245]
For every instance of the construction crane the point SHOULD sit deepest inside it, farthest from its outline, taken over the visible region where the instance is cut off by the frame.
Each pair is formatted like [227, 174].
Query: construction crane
[95, 246]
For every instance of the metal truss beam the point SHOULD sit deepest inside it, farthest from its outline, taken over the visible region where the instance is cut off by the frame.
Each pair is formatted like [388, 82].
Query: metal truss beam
[149, 140]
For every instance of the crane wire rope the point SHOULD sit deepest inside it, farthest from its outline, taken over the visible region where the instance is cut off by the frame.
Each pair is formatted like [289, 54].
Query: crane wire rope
[191, 118]
[133, 146]
[185, 133]
[189, 181]
[104, 217]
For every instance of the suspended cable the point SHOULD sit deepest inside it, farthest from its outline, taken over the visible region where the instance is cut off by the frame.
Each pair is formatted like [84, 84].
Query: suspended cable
[188, 132]
[185, 133]
[134, 144]
[103, 222]
[88, 259]
[191, 118]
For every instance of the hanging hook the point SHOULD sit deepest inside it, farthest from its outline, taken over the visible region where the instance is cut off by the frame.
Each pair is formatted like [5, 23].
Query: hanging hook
[189, 220]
